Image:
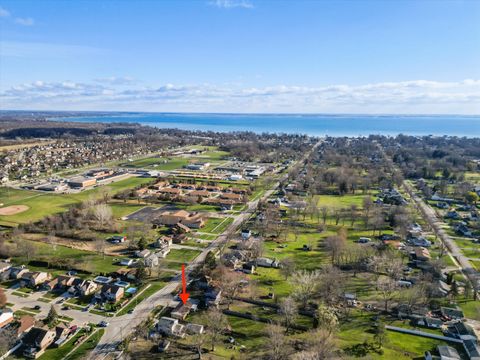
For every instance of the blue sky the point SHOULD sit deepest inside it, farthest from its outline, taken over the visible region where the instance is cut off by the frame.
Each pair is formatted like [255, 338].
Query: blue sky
[393, 56]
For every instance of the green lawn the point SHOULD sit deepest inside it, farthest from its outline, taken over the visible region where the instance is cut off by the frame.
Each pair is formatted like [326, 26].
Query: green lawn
[42, 204]
[333, 201]
[182, 255]
[81, 259]
[216, 225]
[88, 345]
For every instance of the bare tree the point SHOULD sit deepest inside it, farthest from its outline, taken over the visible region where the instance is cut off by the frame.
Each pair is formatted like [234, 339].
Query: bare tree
[289, 311]
[324, 211]
[277, 344]
[216, 323]
[8, 338]
[3, 298]
[26, 248]
[335, 245]
[330, 285]
[229, 282]
[326, 318]
[287, 267]
[103, 214]
[320, 346]
[387, 287]
[304, 285]
[198, 341]
[100, 247]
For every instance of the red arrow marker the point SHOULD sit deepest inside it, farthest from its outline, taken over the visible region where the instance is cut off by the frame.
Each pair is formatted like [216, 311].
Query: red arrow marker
[184, 295]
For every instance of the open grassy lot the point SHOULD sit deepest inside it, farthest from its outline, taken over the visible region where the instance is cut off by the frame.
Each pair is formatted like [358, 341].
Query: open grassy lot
[42, 204]
[80, 259]
[182, 255]
[216, 225]
[333, 201]
[355, 332]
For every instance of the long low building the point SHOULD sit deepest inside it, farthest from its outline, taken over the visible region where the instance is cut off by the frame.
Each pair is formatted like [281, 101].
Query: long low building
[80, 182]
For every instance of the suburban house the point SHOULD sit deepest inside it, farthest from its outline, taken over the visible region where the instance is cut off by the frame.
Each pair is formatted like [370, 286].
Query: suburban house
[33, 279]
[194, 221]
[36, 341]
[111, 293]
[246, 233]
[213, 296]
[23, 325]
[60, 283]
[461, 331]
[231, 196]
[191, 220]
[86, 287]
[170, 327]
[422, 254]
[463, 230]
[126, 274]
[268, 263]
[163, 242]
[142, 254]
[152, 259]
[429, 322]
[6, 317]
[17, 272]
[181, 311]
[451, 313]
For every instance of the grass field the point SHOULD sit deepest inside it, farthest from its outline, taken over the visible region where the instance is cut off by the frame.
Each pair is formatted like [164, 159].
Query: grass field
[182, 255]
[88, 345]
[42, 204]
[216, 225]
[81, 260]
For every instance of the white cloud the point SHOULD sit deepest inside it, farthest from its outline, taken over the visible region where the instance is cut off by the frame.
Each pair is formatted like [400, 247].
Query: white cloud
[117, 80]
[25, 21]
[229, 4]
[28, 21]
[4, 12]
[118, 93]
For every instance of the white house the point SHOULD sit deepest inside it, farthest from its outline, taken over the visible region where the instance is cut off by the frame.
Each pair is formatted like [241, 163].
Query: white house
[171, 327]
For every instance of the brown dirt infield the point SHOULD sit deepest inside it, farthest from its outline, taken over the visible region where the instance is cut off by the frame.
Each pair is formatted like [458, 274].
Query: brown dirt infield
[13, 209]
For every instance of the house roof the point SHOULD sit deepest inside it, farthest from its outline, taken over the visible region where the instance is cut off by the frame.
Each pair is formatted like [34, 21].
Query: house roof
[451, 312]
[447, 352]
[25, 323]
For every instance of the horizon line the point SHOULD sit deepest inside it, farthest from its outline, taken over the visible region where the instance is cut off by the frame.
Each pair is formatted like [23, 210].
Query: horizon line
[232, 113]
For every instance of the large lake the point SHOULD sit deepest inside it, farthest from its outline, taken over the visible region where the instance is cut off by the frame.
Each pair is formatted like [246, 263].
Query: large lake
[334, 125]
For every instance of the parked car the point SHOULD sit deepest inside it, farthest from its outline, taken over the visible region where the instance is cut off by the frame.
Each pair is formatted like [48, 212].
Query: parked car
[103, 323]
